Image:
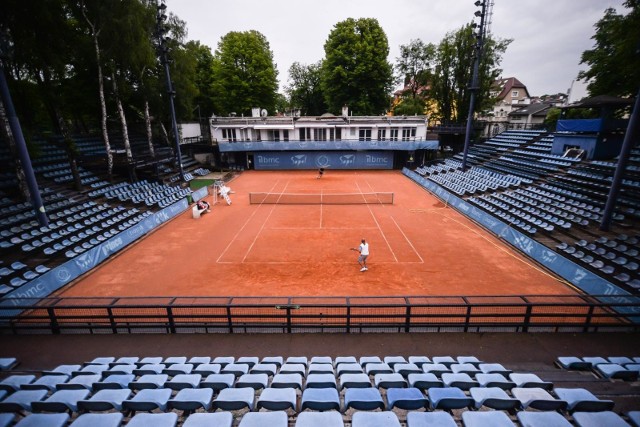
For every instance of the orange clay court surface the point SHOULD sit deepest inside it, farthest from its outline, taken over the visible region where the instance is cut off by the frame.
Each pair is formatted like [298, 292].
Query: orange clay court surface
[418, 247]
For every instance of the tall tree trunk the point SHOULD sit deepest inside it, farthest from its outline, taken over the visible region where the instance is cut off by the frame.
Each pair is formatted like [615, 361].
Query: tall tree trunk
[5, 133]
[103, 104]
[152, 151]
[147, 121]
[125, 131]
[44, 82]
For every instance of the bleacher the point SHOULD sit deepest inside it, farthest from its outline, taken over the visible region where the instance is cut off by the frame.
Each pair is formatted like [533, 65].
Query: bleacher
[555, 199]
[283, 391]
[78, 220]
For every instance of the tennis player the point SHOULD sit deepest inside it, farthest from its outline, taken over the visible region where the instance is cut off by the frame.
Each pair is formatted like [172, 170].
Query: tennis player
[364, 253]
[320, 173]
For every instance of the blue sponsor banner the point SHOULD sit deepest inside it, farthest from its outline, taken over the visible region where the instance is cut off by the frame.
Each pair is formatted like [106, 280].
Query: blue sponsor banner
[330, 159]
[200, 193]
[327, 145]
[54, 279]
[583, 279]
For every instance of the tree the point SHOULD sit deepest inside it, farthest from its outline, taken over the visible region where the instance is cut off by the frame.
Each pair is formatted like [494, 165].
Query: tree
[203, 77]
[614, 62]
[304, 90]
[414, 66]
[453, 72]
[355, 71]
[244, 73]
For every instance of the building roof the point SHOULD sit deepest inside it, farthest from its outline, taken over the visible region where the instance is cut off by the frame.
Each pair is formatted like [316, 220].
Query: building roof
[601, 101]
[531, 110]
[504, 86]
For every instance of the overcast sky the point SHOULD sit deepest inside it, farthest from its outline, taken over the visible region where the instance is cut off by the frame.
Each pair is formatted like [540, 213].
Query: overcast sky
[548, 35]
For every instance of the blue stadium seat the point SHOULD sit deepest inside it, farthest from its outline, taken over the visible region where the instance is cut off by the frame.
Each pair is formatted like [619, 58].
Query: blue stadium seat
[98, 420]
[21, 400]
[379, 419]
[190, 400]
[148, 400]
[105, 400]
[542, 419]
[320, 399]
[494, 398]
[319, 419]
[219, 419]
[233, 399]
[261, 419]
[430, 419]
[597, 419]
[449, 398]
[42, 420]
[169, 419]
[406, 398]
[61, 401]
[486, 418]
[538, 398]
[277, 399]
[582, 400]
[389, 380]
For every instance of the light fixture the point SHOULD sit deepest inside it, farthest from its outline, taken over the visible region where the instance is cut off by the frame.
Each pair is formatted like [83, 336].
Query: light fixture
[478, 13]
[478, 3]
[163, 6]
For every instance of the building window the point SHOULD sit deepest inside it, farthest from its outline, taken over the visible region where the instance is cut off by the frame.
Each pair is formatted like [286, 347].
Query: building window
[285, 135]
[514, 94]
[393, 134]
[305, 134]
[382, 134]
[332, 134]
[338, 134]
[365, 134]
[273, 135]
[229, 135]
[320, 134]
[408, 134]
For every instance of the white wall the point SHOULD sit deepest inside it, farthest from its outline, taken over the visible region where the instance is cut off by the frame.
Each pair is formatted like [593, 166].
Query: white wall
[189, 130]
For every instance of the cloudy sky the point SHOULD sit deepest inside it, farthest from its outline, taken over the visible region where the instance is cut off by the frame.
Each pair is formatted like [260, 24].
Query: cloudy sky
[548, 35]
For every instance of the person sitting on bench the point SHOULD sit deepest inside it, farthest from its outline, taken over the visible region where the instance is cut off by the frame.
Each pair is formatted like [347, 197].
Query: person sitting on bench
[203, 206]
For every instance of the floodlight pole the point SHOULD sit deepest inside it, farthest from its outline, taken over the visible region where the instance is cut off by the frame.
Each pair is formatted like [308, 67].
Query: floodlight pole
[473, 89]
[23, 154]
[172, 93]
[630, 139]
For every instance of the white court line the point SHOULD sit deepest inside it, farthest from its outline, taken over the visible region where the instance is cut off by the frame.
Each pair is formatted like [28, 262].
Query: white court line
[321, 211]
[264, 223]
[307, 262]
[407, 239]
[242, 228]
[379, 228]
[398, 226]
[324, 228]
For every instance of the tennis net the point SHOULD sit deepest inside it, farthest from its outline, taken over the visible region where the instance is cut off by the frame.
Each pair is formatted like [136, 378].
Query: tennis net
[320, 198]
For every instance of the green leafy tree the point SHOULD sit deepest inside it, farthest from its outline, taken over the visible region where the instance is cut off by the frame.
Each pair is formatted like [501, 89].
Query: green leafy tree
[355, 71]
[204, 100]
[414, 67]
[453, 72]
[614, 62]
[245, 75]
[304, 89]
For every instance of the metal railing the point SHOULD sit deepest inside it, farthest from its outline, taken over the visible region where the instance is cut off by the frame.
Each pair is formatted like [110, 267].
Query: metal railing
[533, 313]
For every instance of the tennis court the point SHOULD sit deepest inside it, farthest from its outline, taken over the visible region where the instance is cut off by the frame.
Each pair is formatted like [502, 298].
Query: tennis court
[418, 246]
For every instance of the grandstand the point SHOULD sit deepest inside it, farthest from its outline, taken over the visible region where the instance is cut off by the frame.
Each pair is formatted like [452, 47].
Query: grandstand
[540, 203]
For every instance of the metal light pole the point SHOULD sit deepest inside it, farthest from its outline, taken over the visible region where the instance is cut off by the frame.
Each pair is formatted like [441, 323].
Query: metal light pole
[21, 146]
[630, 139]
[161, 17]
[474, 79]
